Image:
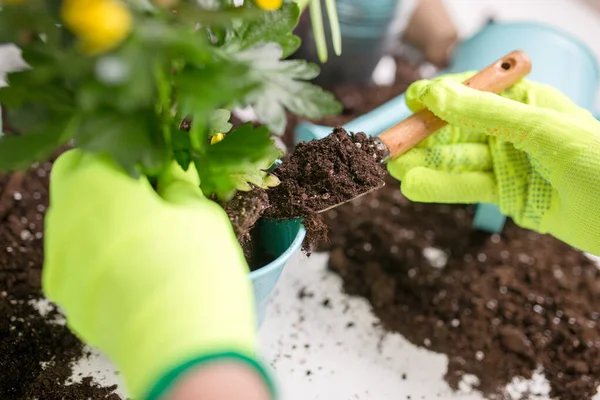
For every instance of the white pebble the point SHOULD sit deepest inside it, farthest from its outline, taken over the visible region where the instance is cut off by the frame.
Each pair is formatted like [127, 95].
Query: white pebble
[481, 257]
[538, 309]
[17, 196]
[503, 289]
[495, 238]
[455, 323]
[412, 273]
[437, 258]
[479, 355]
[367, 246]
[9, 249]
[25, 235]
[427, 342]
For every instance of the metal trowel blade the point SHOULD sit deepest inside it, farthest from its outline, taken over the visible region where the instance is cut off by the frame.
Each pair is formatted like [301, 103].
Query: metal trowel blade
[353, 198]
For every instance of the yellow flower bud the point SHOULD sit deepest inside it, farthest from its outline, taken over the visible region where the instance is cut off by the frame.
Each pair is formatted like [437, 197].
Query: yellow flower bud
[101, 25]
[217, 138]
[269, 4]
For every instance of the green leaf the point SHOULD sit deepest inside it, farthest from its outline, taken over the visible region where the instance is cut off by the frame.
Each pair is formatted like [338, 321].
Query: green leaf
[200, 91]
[20, 151]
[133, 140]
[272, 26]
[240, 157]
[282, 86]
[218, 122]
[193, 14]
[180, 143]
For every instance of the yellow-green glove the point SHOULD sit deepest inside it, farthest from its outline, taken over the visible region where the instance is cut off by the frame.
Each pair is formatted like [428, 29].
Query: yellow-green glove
[531, 151]
[156, 281]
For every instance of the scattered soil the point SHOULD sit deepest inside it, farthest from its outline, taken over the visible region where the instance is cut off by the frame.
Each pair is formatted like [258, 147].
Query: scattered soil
[36, 352]
[322, 173]
[500, 306]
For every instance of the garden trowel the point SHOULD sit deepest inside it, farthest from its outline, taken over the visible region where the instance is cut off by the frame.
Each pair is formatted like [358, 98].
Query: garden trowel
[406, 134]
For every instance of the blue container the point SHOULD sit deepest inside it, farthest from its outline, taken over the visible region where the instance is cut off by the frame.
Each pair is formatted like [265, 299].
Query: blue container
[558, 60]
[281, 239]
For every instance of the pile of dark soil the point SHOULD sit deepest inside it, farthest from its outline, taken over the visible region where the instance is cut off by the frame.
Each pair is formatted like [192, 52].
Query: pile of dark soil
[36, 353]
[498, 306]
[322, 173]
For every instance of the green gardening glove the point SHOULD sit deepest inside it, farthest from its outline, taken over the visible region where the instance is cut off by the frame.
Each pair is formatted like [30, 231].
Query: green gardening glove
[155, 280]
[531, 151]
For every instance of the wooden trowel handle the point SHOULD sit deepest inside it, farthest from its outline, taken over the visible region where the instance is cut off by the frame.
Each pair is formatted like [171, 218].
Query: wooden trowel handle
[495, 78]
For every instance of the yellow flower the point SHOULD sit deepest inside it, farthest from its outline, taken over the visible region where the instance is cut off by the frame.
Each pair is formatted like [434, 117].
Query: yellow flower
[101, 25]
[217, 138]
[269, 4]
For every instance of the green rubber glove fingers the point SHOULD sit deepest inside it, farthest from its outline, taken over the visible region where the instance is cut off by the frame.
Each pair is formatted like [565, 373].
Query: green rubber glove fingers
[156, 282]
[544, 150]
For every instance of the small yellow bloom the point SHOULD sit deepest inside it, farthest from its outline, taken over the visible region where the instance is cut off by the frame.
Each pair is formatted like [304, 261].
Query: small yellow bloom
[101, 25]
[269, 4]
[217, 138]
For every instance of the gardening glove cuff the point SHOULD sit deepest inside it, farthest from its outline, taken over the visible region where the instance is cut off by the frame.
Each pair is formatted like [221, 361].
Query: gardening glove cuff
[158, 286]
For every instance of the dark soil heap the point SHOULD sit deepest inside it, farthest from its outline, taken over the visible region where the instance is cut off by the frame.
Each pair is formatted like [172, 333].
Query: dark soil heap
[322, 173]
[501, 305]
[36, 354]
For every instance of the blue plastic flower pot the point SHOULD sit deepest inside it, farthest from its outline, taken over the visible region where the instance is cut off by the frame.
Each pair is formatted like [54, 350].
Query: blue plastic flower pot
[282, 240]
[558, 60]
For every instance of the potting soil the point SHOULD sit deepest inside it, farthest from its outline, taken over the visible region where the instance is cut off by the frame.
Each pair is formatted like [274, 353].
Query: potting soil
[499, 306]
[37, 353]
[244, 211]
[322, 173]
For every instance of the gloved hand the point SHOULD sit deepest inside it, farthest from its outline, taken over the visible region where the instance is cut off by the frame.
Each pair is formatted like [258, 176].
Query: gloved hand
[155, 280]
[531, 151]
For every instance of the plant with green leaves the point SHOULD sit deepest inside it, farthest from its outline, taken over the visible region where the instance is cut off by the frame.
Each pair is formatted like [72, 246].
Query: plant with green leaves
[147, 82]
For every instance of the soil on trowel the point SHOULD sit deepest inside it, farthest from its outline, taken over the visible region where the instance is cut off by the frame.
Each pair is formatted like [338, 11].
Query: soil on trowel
[37, 352]
[322, 173]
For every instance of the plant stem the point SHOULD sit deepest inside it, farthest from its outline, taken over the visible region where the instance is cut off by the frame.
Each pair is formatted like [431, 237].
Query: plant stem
[334, 25]
[316, 17]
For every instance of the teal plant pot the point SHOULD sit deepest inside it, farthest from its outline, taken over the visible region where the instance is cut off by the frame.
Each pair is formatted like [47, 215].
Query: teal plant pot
[280, 239]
